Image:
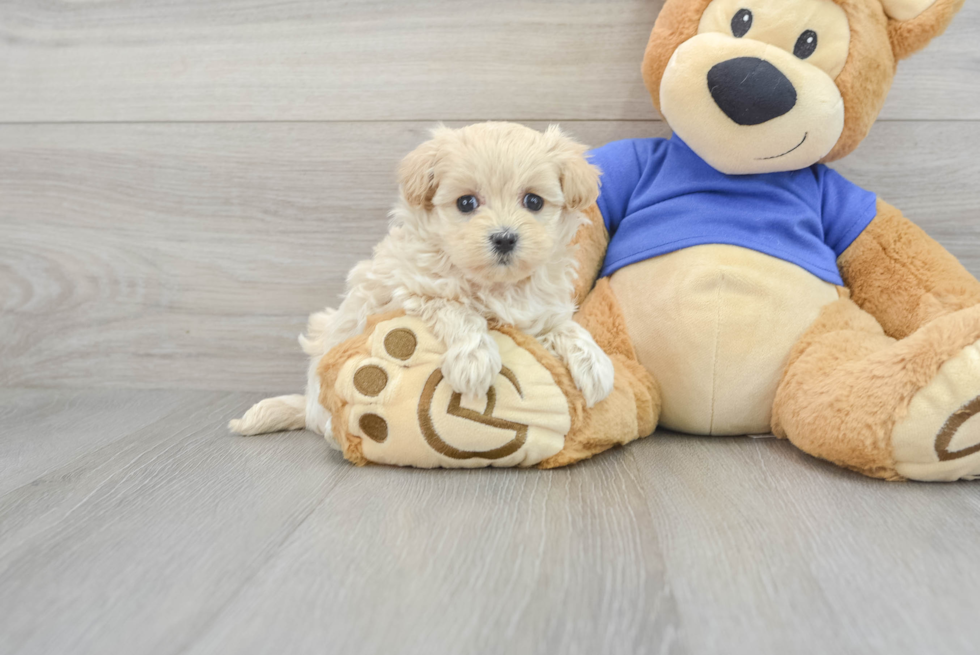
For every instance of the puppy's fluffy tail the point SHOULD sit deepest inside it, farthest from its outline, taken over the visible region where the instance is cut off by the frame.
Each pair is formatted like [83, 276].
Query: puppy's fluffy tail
[272, 415]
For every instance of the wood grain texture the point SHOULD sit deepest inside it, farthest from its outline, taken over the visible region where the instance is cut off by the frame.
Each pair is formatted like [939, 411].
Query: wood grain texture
[777, 552]
[181, 538]
[238, 60]
[135, 546]
[43, 430]
[188, 256]
[491, 561]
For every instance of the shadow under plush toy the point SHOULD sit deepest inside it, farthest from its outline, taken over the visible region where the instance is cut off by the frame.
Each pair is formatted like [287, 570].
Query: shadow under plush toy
[743, 287]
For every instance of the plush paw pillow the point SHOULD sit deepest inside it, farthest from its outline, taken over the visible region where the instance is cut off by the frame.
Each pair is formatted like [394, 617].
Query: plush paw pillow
[390, 404]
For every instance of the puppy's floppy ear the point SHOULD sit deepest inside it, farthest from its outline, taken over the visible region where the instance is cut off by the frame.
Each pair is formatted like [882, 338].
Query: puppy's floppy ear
[579, 178]
[913, 23]
[416, 173]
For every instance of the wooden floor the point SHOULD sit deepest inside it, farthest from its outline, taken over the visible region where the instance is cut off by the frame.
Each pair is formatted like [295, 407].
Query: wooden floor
[181, 183]
[131, 522]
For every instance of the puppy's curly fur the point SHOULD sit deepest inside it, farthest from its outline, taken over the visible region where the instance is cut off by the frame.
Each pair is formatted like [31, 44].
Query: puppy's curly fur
[482, 231]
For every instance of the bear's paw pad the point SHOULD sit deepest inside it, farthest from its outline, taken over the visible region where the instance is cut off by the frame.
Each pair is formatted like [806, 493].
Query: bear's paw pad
[939, 437]
[395, 400]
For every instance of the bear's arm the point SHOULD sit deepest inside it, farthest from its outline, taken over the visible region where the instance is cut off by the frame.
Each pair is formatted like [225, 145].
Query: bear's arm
[591, 241]
[902, 277]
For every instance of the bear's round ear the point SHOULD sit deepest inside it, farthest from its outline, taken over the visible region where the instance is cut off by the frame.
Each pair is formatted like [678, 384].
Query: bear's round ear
[913, 23]
[905, 9]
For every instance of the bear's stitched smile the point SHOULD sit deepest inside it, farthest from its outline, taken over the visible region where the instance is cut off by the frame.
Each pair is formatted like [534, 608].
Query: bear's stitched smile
[805, 134]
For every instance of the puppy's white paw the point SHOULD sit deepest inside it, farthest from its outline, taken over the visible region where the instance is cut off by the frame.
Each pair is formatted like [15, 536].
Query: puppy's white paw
[592, 371]
[470, 368]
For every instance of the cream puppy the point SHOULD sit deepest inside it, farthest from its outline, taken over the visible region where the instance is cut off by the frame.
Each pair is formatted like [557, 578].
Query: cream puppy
[483, 230]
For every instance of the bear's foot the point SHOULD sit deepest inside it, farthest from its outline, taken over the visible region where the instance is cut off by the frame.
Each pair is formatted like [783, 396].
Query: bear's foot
[391, 403]
[892, 409]
[939, 437]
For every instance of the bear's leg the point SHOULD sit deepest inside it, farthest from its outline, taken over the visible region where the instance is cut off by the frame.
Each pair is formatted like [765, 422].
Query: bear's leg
[632, 409]
[902, 277]
[892, 409]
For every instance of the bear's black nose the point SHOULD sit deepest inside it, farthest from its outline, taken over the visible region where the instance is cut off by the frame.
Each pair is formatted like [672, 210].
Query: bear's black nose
[503, 242]
[750, 90]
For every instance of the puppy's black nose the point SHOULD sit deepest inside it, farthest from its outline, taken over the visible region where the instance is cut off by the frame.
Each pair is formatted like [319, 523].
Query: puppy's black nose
[503, 242]
[750, 90]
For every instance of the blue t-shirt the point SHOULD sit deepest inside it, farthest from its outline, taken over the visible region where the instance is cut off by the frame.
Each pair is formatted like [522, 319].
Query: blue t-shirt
[658, 196]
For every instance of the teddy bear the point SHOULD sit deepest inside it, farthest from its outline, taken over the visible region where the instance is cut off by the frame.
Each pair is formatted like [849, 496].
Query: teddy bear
[739, 285]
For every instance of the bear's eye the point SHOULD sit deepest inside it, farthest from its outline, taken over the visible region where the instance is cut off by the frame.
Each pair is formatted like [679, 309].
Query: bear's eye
[533, 202]
[741, 23]
[806, 44]
[467, 204]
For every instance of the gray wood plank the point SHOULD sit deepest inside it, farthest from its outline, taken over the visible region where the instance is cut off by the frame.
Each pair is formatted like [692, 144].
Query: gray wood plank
[135, 547]
[771, 551]
[180, 538]
[491, 561]
[183, 538]
[43, 429]
[188, 256]
[375, 60]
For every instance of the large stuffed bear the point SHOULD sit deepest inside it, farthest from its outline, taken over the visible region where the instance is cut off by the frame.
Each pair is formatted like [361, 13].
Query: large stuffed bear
[739, 285]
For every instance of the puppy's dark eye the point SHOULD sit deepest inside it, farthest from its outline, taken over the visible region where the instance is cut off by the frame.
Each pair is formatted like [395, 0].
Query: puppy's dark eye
[467, 204]
[741, 23]
[533, 202]
[806, 44]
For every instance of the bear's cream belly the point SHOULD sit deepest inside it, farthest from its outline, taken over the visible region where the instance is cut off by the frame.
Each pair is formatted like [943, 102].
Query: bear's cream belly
[715, 324]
